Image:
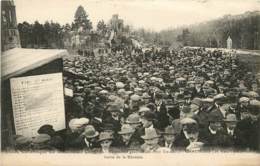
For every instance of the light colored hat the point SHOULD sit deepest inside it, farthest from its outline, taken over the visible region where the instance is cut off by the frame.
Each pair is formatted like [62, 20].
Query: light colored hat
[103, 92]
[180, 79]
[255, 103]
[188, 121]
[210, 82]
[133, 119]
[75, 124]
[143, 109]
[120, 85]
[219, 96]
[150, 134]
[231, 118]
[135, 97]
[253, 94]
[146, 96]
[208, 100]
[90, 132]
[243, 99]
[21, 140]
[121, 91]
[141, 82]
[105, 136]
[126, 129]
[41, 138]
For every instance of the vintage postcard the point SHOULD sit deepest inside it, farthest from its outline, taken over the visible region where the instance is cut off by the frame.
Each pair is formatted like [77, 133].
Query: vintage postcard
[95, 82]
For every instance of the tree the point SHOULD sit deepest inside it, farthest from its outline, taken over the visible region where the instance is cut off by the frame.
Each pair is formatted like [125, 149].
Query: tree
[38, 34]
[25, 31]
[81, 20]
[101, 27]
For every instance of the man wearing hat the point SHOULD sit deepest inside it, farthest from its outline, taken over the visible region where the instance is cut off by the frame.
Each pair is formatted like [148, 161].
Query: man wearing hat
[134, 103]
[56, 140]
[148, 122]
[114, 116]
[214, 133]
[171, 138]
[161, 111]
[74, 138]
[91, 138]
[42, 143]
[129, 141]
[193, 141]
[134, 121]
[232, 133]
[151, 139]
[105, 140]
[249, 127]
[22, 143]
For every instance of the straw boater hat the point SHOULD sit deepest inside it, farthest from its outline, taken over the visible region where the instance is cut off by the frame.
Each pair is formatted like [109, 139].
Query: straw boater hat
[90, 132]
[150, 134]
[126, 129]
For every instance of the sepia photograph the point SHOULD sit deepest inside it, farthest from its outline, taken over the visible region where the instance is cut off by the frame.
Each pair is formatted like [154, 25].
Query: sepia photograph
[129, 80]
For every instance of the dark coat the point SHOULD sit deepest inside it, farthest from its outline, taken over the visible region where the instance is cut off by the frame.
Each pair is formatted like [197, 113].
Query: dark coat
[133, 145]
[248, 135]
[74, 141]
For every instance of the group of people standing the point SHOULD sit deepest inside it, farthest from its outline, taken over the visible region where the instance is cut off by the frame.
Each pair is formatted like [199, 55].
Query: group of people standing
[156, 101]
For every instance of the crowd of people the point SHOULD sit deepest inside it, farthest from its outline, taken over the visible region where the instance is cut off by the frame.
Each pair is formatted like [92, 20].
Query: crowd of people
[156, 101]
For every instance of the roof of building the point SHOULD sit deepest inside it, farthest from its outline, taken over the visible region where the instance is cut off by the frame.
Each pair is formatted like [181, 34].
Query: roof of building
[20, 60]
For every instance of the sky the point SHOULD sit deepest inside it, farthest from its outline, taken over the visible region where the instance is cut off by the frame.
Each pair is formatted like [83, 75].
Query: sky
[150, 14]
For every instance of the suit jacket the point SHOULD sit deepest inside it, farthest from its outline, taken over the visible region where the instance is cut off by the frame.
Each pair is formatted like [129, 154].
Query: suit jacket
[146, 149]
[248, 135]
[161, 116]
[74, 141]
[134, 145]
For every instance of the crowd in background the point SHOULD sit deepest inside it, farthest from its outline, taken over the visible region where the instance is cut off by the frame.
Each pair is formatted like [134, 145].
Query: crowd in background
[156, 101]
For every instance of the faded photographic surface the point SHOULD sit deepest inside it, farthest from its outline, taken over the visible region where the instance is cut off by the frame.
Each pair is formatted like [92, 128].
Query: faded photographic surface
[150, 76]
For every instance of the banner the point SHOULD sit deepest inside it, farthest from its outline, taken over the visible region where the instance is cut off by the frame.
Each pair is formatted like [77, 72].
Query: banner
[37, 100]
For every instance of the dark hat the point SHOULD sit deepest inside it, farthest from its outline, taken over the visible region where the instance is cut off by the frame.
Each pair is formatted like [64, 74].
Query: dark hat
[191, 128]
[45, 129]
[113, 108]
[108, 127]
[215, 116]
[150, 116]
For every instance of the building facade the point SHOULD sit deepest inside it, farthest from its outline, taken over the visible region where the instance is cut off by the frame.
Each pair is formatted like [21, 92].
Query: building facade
[9, 31]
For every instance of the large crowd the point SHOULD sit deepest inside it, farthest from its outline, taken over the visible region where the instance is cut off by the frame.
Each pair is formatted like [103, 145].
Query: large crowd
[155, 101]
